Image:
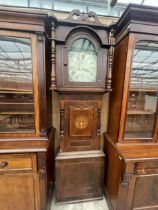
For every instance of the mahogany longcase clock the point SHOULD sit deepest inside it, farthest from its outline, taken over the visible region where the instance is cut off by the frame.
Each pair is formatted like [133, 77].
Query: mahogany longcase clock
[81, 78]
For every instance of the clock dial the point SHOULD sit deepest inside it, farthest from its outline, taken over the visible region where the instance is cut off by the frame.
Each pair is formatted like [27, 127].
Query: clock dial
[82, 62]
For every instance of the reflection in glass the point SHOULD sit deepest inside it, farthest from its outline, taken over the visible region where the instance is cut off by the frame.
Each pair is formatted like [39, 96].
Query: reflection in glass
[82, 61]
[16, 90]
[143, 91]
[47, 4]
[23, 3]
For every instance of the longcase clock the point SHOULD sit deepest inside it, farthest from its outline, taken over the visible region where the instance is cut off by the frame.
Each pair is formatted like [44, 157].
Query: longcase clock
[81, 79]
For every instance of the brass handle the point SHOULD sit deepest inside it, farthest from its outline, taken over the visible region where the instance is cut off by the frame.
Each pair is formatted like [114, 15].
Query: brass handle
[120, 157]
[3, 164]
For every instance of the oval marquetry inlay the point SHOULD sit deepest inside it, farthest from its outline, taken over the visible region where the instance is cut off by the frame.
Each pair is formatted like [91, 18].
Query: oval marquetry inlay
[81, 122]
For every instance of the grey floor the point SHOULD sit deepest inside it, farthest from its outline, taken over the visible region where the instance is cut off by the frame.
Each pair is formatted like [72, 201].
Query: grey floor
[90, 205]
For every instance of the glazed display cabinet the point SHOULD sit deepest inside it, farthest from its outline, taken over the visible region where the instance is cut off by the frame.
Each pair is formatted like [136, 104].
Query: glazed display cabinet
[26, 136]
[131, 143]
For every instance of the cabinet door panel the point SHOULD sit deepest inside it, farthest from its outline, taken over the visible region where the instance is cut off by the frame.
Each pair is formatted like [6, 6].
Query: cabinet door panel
[16, 88]
[143, 91]
[17, 192]
[146, 192]
[80, 123]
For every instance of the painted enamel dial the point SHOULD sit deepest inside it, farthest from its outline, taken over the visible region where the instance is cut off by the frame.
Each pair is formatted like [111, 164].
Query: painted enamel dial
[82, 61]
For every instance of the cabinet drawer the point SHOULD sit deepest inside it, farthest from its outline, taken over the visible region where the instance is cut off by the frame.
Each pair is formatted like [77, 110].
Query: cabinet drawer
[17, 162]
[149, 167]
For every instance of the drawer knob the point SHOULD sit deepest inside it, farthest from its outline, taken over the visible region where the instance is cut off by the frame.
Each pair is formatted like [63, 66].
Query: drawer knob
[3, 164]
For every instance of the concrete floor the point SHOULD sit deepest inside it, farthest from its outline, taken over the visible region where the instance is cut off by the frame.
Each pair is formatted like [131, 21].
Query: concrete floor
[90, 205]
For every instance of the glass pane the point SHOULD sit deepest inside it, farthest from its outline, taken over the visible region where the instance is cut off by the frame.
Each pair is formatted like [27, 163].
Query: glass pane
[82, 61]
[23, 3]
[47, 4]
[150, 3]
[143, 91]
[130, 1]
[16, 90]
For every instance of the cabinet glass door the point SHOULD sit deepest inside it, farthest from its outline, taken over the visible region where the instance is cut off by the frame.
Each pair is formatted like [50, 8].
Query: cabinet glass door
[16, 89]
[143, 91]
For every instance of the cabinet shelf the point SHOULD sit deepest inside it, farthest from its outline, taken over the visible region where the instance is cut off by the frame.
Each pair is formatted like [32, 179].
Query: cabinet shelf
[17, 103]
[17, 92]
[142, 90]
[22, 129]
[16, 113]
[140, 134]
[139, 112]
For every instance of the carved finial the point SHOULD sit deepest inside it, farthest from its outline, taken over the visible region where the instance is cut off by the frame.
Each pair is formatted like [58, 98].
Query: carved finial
[93, 17]
[90, 17]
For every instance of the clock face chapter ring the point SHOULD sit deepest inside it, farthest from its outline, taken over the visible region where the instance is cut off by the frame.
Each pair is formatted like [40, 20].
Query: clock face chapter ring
[82, 61]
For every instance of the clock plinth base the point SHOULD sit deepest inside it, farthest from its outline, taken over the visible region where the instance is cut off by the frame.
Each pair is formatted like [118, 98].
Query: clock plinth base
[79, 176]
